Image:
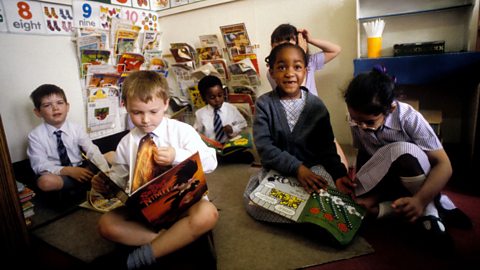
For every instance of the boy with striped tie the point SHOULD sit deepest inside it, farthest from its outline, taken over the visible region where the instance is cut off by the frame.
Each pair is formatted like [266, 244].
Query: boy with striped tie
[55, 146]
[220, 120]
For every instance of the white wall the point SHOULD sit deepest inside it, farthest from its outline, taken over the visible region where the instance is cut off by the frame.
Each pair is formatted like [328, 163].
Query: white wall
[31, 60]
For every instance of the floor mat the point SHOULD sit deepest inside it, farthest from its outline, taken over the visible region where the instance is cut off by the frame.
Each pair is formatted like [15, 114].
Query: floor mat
[244, 243]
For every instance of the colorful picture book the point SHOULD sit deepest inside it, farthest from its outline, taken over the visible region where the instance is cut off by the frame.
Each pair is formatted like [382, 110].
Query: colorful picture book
[164, 196]
[235, 36]
[92, 57]
[241, 142]
[330, 209]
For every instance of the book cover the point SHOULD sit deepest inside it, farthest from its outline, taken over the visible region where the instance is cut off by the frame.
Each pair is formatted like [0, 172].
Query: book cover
[235, 35]
[125, 41]
[164, 197]
[92, 57]
[182, 52]
[330, 209]
[242, 141]
[130, 62]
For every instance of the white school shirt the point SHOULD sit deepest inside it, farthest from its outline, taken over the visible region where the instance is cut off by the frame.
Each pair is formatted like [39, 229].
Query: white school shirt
[42, 148]
[229, 115]
[170, 132]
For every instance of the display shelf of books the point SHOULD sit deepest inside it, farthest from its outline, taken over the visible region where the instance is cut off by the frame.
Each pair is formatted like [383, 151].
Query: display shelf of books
[235, 63]
[25, 195]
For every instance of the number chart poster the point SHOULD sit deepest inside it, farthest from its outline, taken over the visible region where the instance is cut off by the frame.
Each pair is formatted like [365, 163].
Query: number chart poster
[31, 17]
[99, 15]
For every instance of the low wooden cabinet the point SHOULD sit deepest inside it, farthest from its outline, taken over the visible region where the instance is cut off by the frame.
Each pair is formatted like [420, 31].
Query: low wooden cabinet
[13, 230]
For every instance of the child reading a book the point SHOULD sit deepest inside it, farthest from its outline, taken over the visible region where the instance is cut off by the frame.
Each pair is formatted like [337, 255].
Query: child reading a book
[292, 131]
[145, 94]
[220, 120]
[407, 183]
[301, 37]
[55, 146]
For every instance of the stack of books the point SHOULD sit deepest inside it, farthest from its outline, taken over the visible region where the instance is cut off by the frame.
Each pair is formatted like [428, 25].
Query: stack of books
[25, 195]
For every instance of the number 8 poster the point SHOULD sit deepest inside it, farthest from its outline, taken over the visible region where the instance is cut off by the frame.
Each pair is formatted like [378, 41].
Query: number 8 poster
[24, 17]
[3, 23]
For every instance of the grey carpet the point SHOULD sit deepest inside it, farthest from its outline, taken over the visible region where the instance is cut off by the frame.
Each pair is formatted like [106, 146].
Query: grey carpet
[240, 241]
[243, 243]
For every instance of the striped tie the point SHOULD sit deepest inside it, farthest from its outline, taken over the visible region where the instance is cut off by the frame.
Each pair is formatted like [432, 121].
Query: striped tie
[62, 150]
[218, 127]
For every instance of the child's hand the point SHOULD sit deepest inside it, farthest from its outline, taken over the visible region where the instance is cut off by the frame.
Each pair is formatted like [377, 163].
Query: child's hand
[80, 174]
[228, 130]
[409, 207]
[346, 185]
[98, 183]
[302, 41]
[164, 155]
[310, 180]
[305, 34]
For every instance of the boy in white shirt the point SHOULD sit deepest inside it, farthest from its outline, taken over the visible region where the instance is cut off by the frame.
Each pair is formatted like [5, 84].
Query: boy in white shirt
[230, 123]
[145, 94]
[47, 139]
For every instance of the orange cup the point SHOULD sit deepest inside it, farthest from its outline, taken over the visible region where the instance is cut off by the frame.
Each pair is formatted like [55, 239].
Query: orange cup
[374, 47]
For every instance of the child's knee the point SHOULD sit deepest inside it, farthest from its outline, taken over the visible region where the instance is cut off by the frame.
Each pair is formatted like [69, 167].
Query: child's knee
[49, 182]
[407, 165]
[205, 218]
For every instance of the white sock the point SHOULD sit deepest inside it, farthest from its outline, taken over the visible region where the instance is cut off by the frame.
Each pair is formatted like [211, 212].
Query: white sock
[430, 210]
[446, 202]
[413, 183]
[385, 209]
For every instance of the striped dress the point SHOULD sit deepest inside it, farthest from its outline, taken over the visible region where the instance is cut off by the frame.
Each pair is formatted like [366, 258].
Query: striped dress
[405, 131]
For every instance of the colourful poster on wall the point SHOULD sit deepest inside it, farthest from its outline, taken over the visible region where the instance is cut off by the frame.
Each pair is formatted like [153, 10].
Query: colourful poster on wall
[156, 5]
[127, 3]
[24, 17]
[3, 23]
[58, 19]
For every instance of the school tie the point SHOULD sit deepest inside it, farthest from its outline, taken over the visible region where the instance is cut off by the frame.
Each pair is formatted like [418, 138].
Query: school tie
[62, 150]
[218, 127]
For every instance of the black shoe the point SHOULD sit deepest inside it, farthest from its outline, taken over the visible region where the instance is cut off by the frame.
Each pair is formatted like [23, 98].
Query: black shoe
[434, 234]
[453, 217]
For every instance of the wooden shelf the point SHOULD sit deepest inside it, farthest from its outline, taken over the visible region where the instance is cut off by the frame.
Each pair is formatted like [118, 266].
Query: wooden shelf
[413, 12]
[370, 9]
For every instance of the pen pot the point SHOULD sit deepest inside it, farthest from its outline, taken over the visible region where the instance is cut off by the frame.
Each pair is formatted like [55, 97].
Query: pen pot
[374, 47]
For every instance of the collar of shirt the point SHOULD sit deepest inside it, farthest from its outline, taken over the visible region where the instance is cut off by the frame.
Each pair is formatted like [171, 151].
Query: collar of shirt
[210, 107]
[392, 120]
[51, 129]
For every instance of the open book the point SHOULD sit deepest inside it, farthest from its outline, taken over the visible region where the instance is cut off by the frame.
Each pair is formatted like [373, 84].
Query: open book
[242, 141]
[330, 209]
[167, 195]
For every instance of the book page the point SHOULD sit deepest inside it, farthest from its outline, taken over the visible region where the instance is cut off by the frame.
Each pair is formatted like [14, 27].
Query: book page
[280, 194]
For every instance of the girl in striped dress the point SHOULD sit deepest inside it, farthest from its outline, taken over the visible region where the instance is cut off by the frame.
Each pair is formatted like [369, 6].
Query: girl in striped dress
[401, 164]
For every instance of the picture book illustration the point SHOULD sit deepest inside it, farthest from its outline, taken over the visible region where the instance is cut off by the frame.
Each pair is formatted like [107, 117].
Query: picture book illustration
[330, 209]
[242, 141]
[93, 57]
[130, 62]
[166, 192]
[235, 35]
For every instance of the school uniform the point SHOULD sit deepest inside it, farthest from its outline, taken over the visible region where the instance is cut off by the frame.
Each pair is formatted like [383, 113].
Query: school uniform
[43, 153]
[229, 115]
[170, 132]
[405, 131]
